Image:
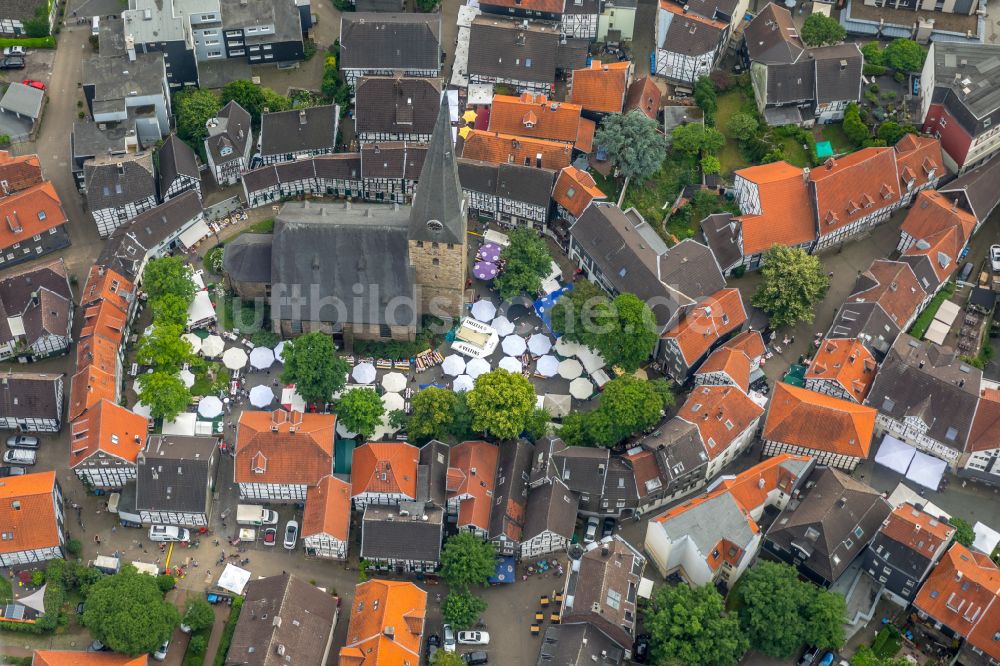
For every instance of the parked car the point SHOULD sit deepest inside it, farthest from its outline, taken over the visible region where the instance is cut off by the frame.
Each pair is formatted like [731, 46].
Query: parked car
[995, 258]
[168, 533]
[161, 652]
[809, 657]
[433, 645]
[449, 639]
[473, 638]
[20, 457]
[10, 471]
[22, 442]
[476, 658]
[270, 536]
[14, 50]
[79, 608]
[12, 62]
[966, 272]
[97, 646]
[609, 527]
[827, 659]
[640, 650]
[291, 534]
[34, 84]
[591, 532]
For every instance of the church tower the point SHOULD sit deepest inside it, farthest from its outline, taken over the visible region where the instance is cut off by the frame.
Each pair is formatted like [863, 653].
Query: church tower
[438, 239]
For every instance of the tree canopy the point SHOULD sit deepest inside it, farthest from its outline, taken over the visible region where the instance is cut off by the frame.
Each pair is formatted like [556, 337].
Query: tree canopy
[865, 656]
[198, 615]
[742, 126]
[168, 276]
[792, 282]
[442, 658]
[710, 164]
[626, 406]
[433, 411]
[254, 98]
[854, 127]
[689, 626]
[127, 613]
[634, 144]
[964, 532]
[164, 348]
[360, 411]
[164, 393]
[467, 561]
[576, 312]
[694, 138]
[820, 30]
[624, 330]
[890, 131]
[194, 107]
[461, 609]
[705, 98]
[312, 364]
[905, 55]
[501, 403]
[527, 261]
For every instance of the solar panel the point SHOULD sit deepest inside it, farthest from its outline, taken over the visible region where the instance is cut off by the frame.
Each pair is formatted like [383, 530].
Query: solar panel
[13, 612]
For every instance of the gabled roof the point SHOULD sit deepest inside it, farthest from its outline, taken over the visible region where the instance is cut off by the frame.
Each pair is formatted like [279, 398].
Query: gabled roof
[299, 130]
[27, 511]
[733, 362]
[472, 473]
[19, 172]
[112, 184]
[397, 105]
[645, 96]
[507, 148]
[30, 212]
[379, 605]
[103, 319]
[820, 422]
[750, 343]
[174, 159]
[535, 116]
[575, 189]
[31, 395]
[721, 414]
[918, 530]
[378, 40]
[92, 384]
[493, 40]
[515, 182]
[893, 285]
[985, 432]
[601, 86]
[918, 158]
[846, 362]
[941, 249]
[546, 6]
[846, 189]
[977, 189]
[107, 428]
[786, 215]
[690, 33]
[552, 507]
[771, 37]
[175, 473]
[75, 658]
[510, 497]
[284, 447]
[838, 72]
[49, 313]
[328, 509]
[385, 467]
[933, 213]
[230, 129]
[716, 316]
[104, 284]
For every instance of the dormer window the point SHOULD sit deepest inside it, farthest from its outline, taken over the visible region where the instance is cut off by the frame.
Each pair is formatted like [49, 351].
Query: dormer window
[886, 192]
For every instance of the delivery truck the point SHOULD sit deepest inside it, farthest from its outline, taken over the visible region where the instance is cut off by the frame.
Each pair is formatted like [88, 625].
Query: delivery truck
[251, 514]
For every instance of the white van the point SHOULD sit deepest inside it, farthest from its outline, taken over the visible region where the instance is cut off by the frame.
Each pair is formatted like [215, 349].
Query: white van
[113, 501]
[143, 567]
[168, 533]
[95, 26]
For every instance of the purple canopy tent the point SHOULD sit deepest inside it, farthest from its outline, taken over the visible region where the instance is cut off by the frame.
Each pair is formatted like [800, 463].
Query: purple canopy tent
[484, 270]
[489, 252]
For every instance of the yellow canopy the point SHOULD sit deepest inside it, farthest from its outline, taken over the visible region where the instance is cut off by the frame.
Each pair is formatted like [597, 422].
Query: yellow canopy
[464, 132]
[469, 116]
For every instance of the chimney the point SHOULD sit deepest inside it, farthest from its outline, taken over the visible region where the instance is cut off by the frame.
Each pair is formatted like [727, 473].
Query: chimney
[302, 117]
[538, 160]
[843, 65]
[390, 633]
[805, 175]
[121, 168]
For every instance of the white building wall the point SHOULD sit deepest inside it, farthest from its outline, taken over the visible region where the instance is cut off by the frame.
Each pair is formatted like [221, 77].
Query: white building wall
[916, 439]
[326, 546]
[273, 492]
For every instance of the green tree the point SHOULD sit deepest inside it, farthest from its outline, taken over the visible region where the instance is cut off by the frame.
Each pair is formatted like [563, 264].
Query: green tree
[628, 332]
[574, 313]
[164, 348]
[742, 126]
[905, 55]
[689, 626]
[171, 309]
[194, 107]
[199, 615]
[527, 261]
[169, 275]
[792, 282]
[462, 609]
[253, 98]
[964, 533]
[467, 561]
[197, 645]
[634, 144]
[705, 98]
[710, 164]
[312, 364]
[694, 138]
[164, 393]
[824, 617]
[873, 53]
[537, 424]
[626, 406]
[38, 25]
[127, 613]
[360, 411]
[442, 658]
[461, 424]
[866, 657]
[501, 403]
[854, 127]
[820, 30]
[433, 411]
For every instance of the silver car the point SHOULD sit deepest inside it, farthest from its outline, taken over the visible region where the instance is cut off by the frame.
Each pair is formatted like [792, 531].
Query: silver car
[291, 534]
[22, 442]
[20, 457]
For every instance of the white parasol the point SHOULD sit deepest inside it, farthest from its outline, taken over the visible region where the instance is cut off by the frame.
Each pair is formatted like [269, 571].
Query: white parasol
[463, 383]
[453, 365]
[539, 344]
[187, 377]
[581, 388]
[279, 349]
[261, 358]
[502, 326]
[392, 401]
[364, 373]
[194, 341]
[547, 365]
[484, 310]
[261, 396]
[210, 407]
[510, 364]
[212, 346]
[344, 432]
[476, 367]
[142, 410]
[570, 369]
[291, 400]
[566, 348]
[394, 382]
[234, 358]
[513, 345]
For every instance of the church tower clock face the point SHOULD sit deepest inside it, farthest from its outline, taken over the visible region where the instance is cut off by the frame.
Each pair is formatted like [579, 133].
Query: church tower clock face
[435, 225]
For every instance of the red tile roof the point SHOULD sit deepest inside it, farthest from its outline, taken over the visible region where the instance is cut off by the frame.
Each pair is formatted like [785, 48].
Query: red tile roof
[750, 488]
[750, 343]
[377, 606]
[548, 6]
[328, 509]
[721, 414]
[476, 462]
[90, 385]
[846, 362]
[284, 447]
[786, 215]
[917, 157]
[73, 658]
[27, 511]
[601, 87]
[104, 319]
[535, 116]
[853, 186]
[645, 469]
[107, 428]
[575, 189]
[385, 467]
[734, 363]
[104, 283]
[30, 212]
[719, 314]
[819, 422]
[985, 432]
[101, 352]
[918, 530]
[19, 173]
[896, 289]
[942, 250]
[508, 149]
[932, 213]
[645, 96]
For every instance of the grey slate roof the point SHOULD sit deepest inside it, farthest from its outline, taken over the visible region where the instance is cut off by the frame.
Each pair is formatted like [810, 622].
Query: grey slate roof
[578, 644]
[837, 511]
[771, 36]
[504, 48]
[678, 448]
[308, 616]
[392, 159]
[376, 40]
[338, 246]
[175, 158]
[551, 507]
[510, 181]
[863, 319]
[247, 258]
[52, 311]
[31, 395]
[379, 5]
[838, 72]
[582, 468]
[231, 128]
[396, 105]
[388, 535]
[944, 393]
[792, 82]
[299, 130]
[432, 473]
[511, 487]
[111, 186]
[722, 235]
[977, 189]
[438, 212]
[23, 100]
[173, 474]
[690, 37]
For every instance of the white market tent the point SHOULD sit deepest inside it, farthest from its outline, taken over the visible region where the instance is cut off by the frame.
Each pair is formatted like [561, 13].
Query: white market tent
[581, 388]
[184, 424]
[210, 407]
[558, 405]
[279, 349]
[926, 470]
[234, 358]
[392, 401]
[476, 367]
[364, 373]
[570, 369]
[502, 325]
[566, 348]
[201, 311]
[261, 396]
[894, 454]
[539, 344]
[194, 234]
[291, 400]
[194, 341]
[547, 365]
[937, 332]
[513, 345]
[261, 358]
[947, 313]
[510, 364]
[394, 382]
[234, 579]
[600, 377]
[187, 378]
[463, 383]
[453, 365]
[212, 346]
[592, 361]
[986, 538]
[484, 310]
[344, 432]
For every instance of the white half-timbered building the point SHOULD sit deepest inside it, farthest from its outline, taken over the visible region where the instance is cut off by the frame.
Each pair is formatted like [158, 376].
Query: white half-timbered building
[550, 519]
[118, 189]
[32, 522]
[512, 194]
[174, 480]
[396, 109]
[326, 521]
[384, 474]
[229, 143]
[177, 169]
[390, 171]
[370, 45]
[37, 305]
[331, 175]
[288, 136]
[580, 18]
[31, 402]
[105, 442]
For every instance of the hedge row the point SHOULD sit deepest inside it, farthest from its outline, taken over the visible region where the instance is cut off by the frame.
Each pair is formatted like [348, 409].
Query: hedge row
[30, 42]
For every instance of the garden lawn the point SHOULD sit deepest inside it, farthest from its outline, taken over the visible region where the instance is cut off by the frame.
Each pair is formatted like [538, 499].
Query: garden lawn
[794, 153]
[610, 185]
[6, 592]
[649, 198]
[730, 102]
[834, 133]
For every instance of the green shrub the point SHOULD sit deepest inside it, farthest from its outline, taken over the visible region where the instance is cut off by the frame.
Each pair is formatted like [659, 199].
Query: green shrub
[309, 50]
[227, 632]
[29, 43]
[213, 259]
[873, 70]
[166, 582]
[264, 338]
[37, 577]
[899, 77]
[923, 321]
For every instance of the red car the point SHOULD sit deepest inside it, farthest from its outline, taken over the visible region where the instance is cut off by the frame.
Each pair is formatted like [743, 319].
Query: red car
[34, 84]
[270, 536]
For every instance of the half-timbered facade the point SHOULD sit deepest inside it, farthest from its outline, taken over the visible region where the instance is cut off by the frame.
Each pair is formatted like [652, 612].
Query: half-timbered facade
[229, 143]
[580, 18]
[36, 313]
[177, 169]
[384, 474]
[370, 45]
[118, 189]
[512, 194]
[550, 519]
[842, 368]
[32, 522]
[288, 136]
[326, 521]
[687, 44]
[104, 445]
[31, 402]
[396, 109]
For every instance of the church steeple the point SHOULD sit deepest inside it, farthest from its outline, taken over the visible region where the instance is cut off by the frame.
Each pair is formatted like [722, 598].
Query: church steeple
[438, 211]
